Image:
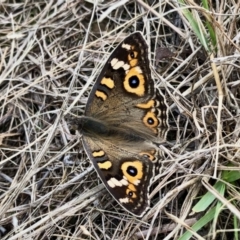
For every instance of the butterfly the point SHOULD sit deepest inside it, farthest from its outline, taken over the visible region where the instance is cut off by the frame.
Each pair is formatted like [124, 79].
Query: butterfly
[125, 119]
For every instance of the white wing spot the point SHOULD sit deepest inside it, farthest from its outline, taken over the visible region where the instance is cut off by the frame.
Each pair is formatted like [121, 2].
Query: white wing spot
[126, 46]
[136, 182]
[138, 69]
[116, 182]
[114, 61]
[126, 67]
[123, 200]
[118, 65]
[124, 182]
[113, 182]
[110, 183]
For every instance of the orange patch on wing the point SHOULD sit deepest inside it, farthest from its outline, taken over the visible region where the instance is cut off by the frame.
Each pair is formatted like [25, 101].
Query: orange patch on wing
[108, 82]
[99, 153]
[105, 165]
[140, 90]
[134, 195]
[139, 171]
[132, 187]
[146, 105]
[133, 61]
[155, 121]
[150, 154]
[101, 95]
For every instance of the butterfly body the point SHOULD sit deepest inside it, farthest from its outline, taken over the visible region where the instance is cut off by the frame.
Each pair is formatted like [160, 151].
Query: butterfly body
[124, 119]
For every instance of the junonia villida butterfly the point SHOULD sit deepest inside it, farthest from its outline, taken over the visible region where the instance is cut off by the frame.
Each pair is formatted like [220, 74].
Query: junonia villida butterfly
[125, 118]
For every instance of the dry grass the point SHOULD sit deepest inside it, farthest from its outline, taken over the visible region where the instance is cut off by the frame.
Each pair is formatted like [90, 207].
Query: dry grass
[50, 54]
